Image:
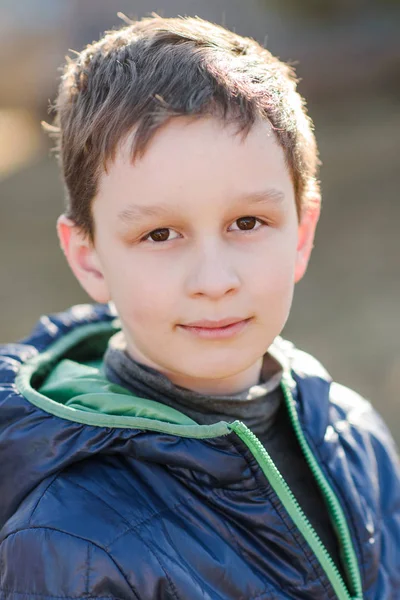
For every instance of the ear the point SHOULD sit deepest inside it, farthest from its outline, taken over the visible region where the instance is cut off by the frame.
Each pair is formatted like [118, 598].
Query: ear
[306, 233]
[83, 259]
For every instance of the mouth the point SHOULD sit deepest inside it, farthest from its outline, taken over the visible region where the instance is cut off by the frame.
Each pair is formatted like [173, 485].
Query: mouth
[223, 329]
[208, 324]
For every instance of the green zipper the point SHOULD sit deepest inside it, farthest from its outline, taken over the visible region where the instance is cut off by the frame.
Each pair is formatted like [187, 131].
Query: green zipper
[290, 503]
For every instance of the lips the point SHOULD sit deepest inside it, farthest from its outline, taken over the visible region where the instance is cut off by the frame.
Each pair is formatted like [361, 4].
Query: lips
[207, 324]
[222, 330]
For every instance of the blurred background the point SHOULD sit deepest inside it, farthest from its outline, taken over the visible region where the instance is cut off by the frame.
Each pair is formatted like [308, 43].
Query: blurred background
[347, 53]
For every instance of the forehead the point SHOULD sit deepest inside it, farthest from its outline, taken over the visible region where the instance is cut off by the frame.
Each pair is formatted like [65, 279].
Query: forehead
[195, 160]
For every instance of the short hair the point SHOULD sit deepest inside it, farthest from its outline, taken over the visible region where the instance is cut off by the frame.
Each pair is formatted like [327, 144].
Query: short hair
[154, 69]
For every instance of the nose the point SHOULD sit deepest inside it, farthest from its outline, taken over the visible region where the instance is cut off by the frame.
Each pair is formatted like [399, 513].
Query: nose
[212, 272]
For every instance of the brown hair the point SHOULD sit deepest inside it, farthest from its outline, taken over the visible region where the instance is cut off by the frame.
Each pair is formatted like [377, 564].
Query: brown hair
[157, 68]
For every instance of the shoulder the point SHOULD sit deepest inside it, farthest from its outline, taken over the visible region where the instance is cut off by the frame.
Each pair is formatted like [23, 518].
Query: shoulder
[348, 425]
[344, 407]
[359, 414]
[49, 328]
[360, 427]
[60, 543]
[355, 416]
[75, 536]
[331, 410]
[92, 499]
[46, 562]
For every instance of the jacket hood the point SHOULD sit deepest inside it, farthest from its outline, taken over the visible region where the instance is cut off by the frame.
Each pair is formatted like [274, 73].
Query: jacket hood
[57, 408]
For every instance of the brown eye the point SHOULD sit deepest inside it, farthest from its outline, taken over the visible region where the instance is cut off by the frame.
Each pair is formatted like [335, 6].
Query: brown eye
[159, 235]
[163, 234]
[246, 223]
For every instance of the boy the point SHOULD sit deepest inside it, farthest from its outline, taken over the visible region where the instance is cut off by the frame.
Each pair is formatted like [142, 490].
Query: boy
[165, 443]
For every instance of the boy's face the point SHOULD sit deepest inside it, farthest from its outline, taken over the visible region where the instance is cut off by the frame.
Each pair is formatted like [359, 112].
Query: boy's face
[203, 227]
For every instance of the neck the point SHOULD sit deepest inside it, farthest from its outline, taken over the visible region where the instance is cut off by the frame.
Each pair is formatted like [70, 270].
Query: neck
[223, 386]
[226, 386]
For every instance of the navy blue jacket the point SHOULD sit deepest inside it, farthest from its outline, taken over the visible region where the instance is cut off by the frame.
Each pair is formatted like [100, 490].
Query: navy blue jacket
[104, 503]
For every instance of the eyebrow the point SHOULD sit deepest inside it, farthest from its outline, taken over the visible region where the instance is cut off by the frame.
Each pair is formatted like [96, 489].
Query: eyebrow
[135, 212]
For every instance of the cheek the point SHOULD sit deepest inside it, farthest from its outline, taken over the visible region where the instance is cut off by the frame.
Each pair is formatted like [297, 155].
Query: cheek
[275, 266]
[143, 294]
[275, 291]
[273, 284]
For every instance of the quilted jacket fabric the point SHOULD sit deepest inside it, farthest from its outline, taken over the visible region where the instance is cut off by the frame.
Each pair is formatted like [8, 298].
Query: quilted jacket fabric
[148, 512]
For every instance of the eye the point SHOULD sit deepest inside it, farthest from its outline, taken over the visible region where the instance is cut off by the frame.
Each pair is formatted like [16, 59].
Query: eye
[248, 223]
[159, 235]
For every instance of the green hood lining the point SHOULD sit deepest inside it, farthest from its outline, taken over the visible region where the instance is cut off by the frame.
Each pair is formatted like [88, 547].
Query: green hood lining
[91, 340]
